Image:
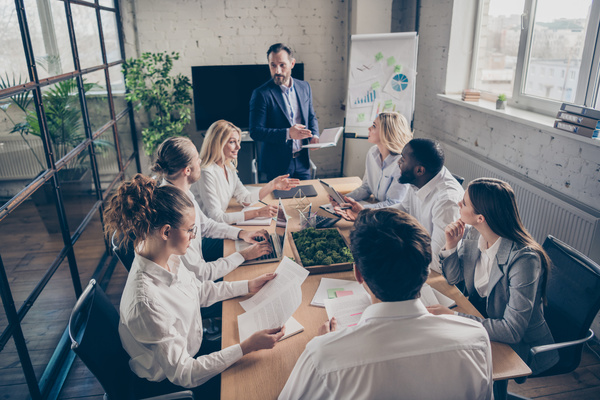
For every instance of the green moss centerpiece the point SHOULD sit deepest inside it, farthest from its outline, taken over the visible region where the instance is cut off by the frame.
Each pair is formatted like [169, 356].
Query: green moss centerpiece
[321, 250]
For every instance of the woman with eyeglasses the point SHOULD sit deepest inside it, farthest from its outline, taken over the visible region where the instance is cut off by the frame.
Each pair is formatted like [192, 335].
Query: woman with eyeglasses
[160, 322]
[504, 270]
[220, 183]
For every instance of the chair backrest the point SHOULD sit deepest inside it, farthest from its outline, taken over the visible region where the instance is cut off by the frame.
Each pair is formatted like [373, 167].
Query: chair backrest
[125, 253]
[459, 179]
[573, 294]
[93, 328]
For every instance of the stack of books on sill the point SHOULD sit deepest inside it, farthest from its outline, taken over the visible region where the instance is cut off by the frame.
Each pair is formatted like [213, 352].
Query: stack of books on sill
[471, 95]
[580, 120]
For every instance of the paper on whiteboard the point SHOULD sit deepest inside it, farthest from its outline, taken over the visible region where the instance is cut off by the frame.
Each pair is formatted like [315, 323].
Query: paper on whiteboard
[386, 102]
[366, 72]
[399, 84]
[363, 95]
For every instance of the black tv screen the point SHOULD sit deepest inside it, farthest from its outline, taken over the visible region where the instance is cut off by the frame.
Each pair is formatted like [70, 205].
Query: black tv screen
[224, 91]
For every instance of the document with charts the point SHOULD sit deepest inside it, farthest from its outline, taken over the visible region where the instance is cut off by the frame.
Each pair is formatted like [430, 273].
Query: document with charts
[348, 309]
[275, 303]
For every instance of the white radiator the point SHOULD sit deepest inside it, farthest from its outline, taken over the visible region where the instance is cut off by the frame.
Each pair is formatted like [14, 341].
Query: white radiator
[17, 162]
[544, 211]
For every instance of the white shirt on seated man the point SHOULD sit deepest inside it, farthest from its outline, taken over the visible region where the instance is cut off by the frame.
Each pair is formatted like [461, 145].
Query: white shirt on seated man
[398, 349]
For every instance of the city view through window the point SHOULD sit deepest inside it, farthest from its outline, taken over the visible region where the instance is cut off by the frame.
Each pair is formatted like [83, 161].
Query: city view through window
[554, 56]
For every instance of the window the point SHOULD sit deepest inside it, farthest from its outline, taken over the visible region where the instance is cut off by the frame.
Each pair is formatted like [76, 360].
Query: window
[520, 43]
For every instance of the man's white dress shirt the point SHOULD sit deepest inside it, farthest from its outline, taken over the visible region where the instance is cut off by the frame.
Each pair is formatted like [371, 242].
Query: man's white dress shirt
[380, 180]
[161, 326]
[398, 350]
[435, 205]
[193, 259]
[214, 191]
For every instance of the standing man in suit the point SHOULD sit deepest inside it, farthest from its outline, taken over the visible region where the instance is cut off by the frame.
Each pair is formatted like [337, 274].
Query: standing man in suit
[282, 119]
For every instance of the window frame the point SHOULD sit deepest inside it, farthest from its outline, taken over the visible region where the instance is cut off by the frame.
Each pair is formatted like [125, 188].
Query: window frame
[589, 72]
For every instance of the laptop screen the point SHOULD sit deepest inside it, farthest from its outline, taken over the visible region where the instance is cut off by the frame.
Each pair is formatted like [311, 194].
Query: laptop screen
[281, 223]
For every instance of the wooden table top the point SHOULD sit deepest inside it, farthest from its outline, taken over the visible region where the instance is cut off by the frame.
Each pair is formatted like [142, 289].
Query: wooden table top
[262, 374]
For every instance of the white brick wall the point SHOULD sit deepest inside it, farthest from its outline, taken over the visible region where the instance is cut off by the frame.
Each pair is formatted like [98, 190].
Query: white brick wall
[217, 32]
[569, 166]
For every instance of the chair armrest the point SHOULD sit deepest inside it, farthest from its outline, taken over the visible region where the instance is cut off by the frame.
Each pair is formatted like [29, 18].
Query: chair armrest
[555, 346]
[185, 394]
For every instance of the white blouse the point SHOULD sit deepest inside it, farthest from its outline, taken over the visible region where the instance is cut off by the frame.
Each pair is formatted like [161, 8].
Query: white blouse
[214, 191]
[161, 326]
[380, 180]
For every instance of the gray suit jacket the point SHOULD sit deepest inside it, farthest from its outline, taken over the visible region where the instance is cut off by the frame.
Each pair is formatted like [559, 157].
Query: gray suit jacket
[514, 305]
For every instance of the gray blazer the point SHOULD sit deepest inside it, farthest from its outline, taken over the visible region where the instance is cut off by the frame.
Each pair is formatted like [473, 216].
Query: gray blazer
[514, 305]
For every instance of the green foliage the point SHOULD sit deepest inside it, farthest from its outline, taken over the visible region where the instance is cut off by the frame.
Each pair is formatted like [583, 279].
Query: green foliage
[502, 97]
[165, 97]
[321, 247]
[63, 118]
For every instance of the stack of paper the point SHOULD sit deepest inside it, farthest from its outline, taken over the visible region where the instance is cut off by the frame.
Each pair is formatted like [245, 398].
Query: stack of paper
[347, 309]
[274, 304]
[328, 138]
[329, 288]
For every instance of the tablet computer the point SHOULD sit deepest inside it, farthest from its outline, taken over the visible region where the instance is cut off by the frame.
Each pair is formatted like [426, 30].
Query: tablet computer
[332, 192]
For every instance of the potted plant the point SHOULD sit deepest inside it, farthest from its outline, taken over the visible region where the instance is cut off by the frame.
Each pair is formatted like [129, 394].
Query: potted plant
[501, 102]
[64, 122]
[165, 98]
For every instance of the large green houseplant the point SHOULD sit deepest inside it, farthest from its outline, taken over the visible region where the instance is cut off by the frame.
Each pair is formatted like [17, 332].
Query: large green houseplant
[64, 123]
[166, 98]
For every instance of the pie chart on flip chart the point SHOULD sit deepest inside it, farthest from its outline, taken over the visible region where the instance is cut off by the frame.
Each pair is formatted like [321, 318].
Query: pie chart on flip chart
[399, 82]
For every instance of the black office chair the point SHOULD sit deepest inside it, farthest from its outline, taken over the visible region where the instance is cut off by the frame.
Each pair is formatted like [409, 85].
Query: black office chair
[573, 294]
[459, 179]
[93, 328]
[125, 254]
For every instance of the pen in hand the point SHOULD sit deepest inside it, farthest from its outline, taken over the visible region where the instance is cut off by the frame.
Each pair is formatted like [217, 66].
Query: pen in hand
[260, 201]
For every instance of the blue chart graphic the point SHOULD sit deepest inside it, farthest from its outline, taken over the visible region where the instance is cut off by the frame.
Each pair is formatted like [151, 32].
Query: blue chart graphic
[399, 82]
[367, 99]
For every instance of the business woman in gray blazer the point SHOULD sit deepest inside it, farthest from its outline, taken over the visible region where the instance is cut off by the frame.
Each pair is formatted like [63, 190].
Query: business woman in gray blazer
[503, 268]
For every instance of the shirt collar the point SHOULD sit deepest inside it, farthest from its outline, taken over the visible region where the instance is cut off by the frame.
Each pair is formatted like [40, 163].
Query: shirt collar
[286, 89]
[492, 250]
[158, 272]
[394, 309]
[429, 187]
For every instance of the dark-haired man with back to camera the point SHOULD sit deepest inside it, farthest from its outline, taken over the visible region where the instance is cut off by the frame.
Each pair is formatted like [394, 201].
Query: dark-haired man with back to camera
[398, 350]
[282, 119]
[433, 194]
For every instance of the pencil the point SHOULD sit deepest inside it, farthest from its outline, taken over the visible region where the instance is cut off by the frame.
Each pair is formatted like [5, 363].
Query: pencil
[260, 201]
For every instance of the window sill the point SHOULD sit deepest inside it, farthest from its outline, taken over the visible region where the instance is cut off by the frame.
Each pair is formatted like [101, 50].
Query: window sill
[538, 121]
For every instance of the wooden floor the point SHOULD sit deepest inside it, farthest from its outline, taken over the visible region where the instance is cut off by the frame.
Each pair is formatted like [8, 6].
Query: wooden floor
[48, 317]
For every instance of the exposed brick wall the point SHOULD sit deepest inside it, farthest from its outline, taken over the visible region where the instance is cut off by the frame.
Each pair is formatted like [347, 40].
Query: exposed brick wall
[569, 166]
[230, 32]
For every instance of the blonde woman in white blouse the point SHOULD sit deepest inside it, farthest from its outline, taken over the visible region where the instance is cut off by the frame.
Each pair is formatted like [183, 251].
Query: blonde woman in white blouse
[219, 181]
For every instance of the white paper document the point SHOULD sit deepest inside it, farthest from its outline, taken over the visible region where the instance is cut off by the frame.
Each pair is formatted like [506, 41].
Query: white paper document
[348, 309]
[328, 283]
[328, 138]
[275, 303]
[260, 221]
[430, 297]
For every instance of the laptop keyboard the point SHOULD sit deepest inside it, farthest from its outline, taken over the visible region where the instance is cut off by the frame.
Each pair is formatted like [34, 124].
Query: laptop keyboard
[325, 222]
[272, 254]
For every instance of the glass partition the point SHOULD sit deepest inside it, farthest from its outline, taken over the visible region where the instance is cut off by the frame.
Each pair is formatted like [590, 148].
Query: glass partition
[49, 37]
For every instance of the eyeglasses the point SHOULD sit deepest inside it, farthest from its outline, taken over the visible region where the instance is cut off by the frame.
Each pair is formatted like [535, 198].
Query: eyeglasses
[192, 231]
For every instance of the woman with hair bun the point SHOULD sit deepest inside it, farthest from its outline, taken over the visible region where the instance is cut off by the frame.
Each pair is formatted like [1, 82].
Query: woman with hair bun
[220, 182]
[504, 270]
[160, 322]
[389, 133]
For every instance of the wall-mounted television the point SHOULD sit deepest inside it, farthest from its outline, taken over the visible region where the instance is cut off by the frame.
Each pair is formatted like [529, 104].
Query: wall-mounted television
[224, 91]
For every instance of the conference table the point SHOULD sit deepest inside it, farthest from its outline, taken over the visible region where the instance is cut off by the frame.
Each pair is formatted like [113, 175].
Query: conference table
[262, 374]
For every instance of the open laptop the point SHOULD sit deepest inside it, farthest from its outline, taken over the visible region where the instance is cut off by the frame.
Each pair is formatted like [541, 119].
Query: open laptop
[276, 239]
